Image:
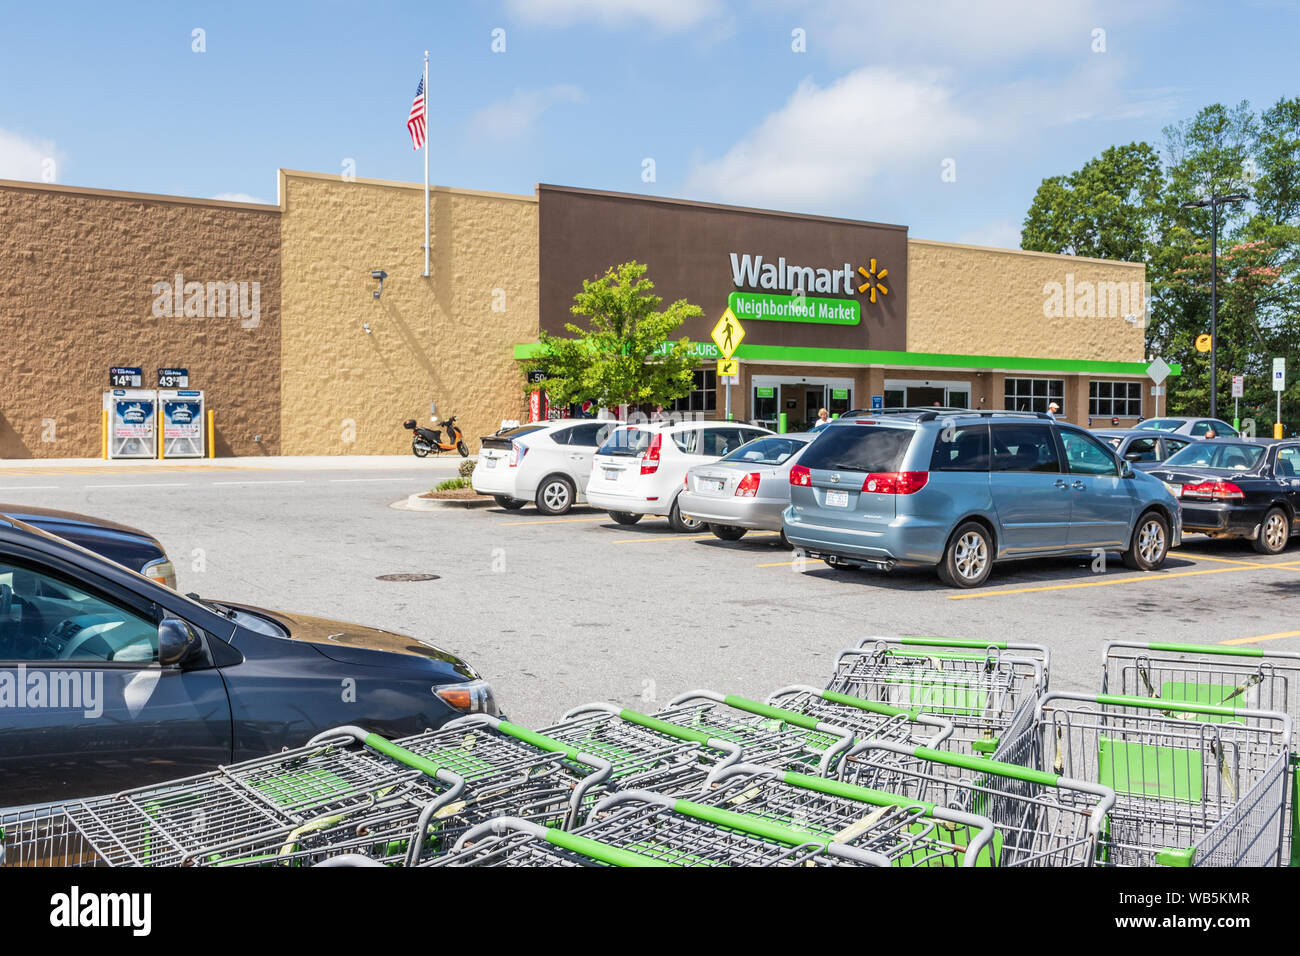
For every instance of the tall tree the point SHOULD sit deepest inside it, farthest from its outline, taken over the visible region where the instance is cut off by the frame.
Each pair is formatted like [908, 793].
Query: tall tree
[625, 355]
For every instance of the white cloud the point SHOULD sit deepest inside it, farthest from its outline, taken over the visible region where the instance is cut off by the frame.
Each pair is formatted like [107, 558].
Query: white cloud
[664, 14]
[239, 197]
[829, 142]
[1000, 234]
[28, 159]
[515, 117]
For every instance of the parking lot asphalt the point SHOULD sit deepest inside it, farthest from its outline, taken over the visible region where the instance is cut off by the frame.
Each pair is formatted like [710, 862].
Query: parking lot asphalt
[562, 611]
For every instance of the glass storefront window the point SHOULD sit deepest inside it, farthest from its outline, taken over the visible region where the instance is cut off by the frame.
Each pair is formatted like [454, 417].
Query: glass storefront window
[1109, 399]
[1034, 394]
[704, 396]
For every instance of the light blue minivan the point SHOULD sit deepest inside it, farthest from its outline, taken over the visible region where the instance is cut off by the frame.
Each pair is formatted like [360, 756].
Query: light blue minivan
[959, 490]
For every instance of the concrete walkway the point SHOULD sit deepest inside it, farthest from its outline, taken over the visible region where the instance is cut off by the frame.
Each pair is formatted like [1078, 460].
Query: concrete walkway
[61, 466]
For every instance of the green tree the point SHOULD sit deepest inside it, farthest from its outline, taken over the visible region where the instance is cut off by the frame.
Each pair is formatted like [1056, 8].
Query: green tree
[625, 355]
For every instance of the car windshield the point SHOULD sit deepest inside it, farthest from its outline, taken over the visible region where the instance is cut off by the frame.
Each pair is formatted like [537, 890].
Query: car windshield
[858, 448]
[626, 441]
[771, 450]
[1227, 456]
[1160, 424]
[520, 431]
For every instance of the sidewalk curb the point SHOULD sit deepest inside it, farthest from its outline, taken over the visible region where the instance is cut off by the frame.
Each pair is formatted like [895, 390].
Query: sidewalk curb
[417, 503]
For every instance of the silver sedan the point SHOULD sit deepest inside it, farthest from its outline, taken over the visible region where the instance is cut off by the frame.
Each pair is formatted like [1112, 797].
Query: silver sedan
[748, 489]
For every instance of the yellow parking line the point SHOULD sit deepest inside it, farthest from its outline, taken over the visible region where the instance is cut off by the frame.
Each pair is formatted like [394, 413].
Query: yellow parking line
[1098, 584]
[1253, 564]
[1262, 637]
[777, 564]
[558, 520]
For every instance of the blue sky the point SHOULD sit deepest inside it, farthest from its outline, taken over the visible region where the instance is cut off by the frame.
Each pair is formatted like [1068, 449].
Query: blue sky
[862, 123]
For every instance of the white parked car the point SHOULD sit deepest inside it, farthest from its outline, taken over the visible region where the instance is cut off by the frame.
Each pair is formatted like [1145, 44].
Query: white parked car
[544, 462]
[639, 470]
[748, 489]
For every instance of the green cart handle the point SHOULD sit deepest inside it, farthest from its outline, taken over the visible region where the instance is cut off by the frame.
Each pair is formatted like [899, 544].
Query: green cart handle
[573, 842]
[1208, 649]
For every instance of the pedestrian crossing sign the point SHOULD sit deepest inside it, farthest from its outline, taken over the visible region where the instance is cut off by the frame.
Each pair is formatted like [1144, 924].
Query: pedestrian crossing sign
[728, 334]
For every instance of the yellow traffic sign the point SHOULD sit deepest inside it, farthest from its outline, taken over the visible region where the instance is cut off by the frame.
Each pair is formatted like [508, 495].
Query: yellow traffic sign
[728, 366]
[1203, 343]
[728, 333]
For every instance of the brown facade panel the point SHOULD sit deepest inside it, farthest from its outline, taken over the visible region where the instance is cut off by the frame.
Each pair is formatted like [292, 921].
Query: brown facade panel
[80, 275]
[688, 248]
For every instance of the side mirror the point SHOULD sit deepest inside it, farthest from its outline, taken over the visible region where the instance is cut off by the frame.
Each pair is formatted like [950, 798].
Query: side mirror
[1125, 469]
[177, 641]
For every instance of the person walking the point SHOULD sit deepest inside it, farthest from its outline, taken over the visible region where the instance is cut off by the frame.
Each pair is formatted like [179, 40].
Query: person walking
[823, 418]
[1053, 409]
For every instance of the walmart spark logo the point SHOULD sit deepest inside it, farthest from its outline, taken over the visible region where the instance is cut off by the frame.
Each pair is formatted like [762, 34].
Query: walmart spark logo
[873, 281]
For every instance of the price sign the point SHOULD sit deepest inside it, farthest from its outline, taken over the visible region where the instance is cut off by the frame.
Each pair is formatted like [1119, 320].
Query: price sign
[173, 378]
[1238, 386]
[536, 376]
[125, 377]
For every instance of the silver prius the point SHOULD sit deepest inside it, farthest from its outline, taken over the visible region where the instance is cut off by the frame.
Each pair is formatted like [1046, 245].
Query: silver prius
[748, 489]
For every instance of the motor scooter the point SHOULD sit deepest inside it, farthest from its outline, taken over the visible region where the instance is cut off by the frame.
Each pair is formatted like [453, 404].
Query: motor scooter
[429, 440]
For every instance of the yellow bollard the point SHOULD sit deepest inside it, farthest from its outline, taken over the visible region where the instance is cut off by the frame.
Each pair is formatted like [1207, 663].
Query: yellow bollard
[212, 436]
[103, 434]
[1277, 430]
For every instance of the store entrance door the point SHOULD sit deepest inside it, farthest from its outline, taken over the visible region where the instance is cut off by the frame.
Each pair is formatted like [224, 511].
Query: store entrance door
[800, 400]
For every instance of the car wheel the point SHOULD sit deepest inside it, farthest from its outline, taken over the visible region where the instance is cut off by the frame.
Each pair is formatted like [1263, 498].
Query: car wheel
[969, 558]
[510, 504]
[555, 496]
[1150, 543]
[625, 517]
[1274, 532]
[679, 522]
[727, 532]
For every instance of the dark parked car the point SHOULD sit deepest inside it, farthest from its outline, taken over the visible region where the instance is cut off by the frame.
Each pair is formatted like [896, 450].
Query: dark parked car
[128, 546]
[109, 680]
[1237, 488]
[1137, 444]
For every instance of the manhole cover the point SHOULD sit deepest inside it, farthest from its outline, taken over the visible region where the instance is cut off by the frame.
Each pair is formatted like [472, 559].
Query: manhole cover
[407, 576]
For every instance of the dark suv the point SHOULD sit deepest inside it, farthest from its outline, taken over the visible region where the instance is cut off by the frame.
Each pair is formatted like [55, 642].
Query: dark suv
[957, 490]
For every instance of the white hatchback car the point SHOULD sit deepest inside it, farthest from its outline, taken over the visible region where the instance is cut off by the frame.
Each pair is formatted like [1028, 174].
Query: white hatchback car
[544, 462]
[640, 469]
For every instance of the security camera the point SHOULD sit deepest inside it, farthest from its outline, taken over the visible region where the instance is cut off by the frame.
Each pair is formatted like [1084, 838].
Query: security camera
[381, 275]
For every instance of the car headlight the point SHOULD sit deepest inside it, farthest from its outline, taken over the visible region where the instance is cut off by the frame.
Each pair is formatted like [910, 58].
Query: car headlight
[162, 571]
[469, 697]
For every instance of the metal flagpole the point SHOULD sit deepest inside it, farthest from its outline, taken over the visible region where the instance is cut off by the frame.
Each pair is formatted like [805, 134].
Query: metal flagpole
[426, 164]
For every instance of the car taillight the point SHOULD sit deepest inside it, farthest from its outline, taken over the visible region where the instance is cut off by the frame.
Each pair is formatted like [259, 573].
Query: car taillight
[799, 475]
[517, 452]
[1219, 490]
[650, 457]
[748, 486]
[895, 482]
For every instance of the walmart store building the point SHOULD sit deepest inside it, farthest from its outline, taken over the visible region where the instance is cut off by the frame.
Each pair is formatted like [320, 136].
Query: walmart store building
[836, 312]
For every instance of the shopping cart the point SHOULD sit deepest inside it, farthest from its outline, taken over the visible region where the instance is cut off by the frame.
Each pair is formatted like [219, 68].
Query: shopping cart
[511, 841]
[766, 734]
[1195, 784]
[753, 815]
[345, 790]
[864, 719]
[987, 690]
[1041, 819]
[1234, 677]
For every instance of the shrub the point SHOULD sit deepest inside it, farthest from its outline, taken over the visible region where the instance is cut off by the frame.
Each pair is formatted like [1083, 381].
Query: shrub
[467, 467]
[451, 484]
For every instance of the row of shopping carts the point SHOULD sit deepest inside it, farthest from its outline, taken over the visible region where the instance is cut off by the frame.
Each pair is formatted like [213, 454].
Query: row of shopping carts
[918, 752]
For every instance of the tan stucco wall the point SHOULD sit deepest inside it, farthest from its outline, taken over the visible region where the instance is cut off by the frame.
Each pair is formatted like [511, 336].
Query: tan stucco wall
[977, 300]
[436, 339]
[77, 268]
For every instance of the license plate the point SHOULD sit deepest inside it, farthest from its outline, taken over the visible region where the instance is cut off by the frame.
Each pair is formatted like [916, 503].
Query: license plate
[611, 474]
[711, 484]
[1175, 490]
[837, 499]
[489, 462]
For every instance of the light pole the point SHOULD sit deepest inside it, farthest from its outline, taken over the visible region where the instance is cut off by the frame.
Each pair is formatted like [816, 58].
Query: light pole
[1214, 202]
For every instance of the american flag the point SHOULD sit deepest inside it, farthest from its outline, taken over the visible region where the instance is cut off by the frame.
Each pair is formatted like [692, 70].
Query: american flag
[416, 123]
